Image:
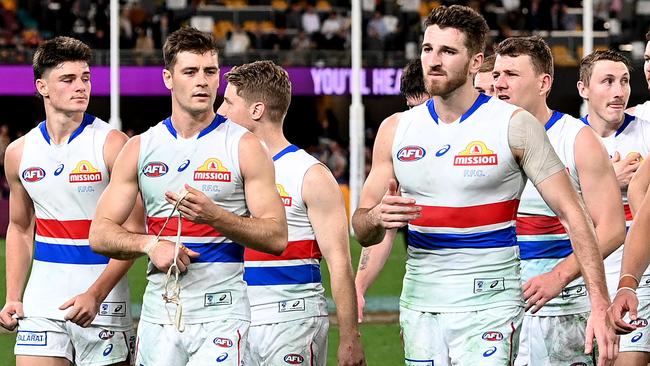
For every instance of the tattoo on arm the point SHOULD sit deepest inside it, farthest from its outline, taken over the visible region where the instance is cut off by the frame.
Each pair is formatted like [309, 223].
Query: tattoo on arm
[365, 257]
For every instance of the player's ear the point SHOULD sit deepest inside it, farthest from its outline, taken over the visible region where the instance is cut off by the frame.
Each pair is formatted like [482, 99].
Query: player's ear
[257, 110]
[582, 90]
[41, 88]
[167, 79]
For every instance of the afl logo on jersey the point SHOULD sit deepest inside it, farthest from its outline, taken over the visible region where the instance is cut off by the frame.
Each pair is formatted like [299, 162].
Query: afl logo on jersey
[286, 199]
[476, 153]
[410, 153]
[85, 172]
[33, 174]
[212, 170]
[155, 169]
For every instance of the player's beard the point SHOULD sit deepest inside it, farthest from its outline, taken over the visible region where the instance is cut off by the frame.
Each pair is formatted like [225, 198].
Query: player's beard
[454, 81]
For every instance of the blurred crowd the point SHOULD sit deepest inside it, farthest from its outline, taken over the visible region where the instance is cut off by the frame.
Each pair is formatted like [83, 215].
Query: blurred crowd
[388, 25]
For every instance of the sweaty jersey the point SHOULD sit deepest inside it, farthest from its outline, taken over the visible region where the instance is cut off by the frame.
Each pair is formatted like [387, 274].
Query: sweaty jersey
[288, 287]
[462, 251]
[65, 182]
[543, 241]
[213, 287]
[633, 136]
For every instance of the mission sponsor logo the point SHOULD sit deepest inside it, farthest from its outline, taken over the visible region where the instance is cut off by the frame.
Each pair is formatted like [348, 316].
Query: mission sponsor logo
[85, 172]
[286, 199]
[212, 170]
[476, 153]
[33, 174]
[411, 153]
[155, 169]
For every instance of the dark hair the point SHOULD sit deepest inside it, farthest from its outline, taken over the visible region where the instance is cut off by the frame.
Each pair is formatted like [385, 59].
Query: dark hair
[466, 20]
[647, 36]
[535, 47]
[488, 63]
[56, 51]
[587, 63]
[265, 82]
[187, 39]
[412, 80]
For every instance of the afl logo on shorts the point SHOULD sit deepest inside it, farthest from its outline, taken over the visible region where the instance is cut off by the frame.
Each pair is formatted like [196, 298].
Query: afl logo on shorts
[639, 323]
[106, 334]
[33, 174]
[222, 342]
[410, 153]
[493, 336]
[294, 359]
[155, 169]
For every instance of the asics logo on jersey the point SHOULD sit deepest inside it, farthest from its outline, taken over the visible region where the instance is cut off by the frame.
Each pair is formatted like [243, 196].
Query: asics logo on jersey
[476, 153]
[222, 357]
[410, 153]
[222, 342]
[58, 170]
[33, 174]
[636, 337]
[493, 336]
[155, 169]
[85, 172]
[212, 170]
[443, 150]
[184, 165]
[294, 359]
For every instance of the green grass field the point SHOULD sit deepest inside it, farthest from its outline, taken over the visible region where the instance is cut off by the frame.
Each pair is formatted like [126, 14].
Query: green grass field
[381, 341]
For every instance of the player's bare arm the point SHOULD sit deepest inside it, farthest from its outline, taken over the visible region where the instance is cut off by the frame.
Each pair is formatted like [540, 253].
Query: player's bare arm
[20, 235]
[266, 229]
[326, 212]
[600, 193]
[380, 206]
[371, 262]
[532, 149]
[636, 258]
[638, 187]
[109, 237]
[84, 307]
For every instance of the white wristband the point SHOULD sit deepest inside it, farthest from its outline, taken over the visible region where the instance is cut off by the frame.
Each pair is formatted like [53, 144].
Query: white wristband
[147, 248]
[626, 288]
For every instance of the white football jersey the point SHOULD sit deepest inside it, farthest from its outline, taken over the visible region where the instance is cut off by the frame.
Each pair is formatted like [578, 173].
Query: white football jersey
[462, 252]
[65, 182]
[213, 287]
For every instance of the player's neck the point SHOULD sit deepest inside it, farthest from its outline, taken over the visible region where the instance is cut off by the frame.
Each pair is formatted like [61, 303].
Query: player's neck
[602, 127]
[542, 112]
[189, 124]
[453, 105]
[273, 138]
[61, 125]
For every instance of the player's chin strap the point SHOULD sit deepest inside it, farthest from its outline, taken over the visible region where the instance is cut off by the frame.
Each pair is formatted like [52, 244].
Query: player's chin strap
[172, 292]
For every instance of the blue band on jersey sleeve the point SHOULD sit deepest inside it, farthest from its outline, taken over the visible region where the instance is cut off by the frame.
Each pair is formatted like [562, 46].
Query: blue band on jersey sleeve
[285, 275]
[540, 249]
[491, 239]
[286, 150]
[221, 252]
[69, 254]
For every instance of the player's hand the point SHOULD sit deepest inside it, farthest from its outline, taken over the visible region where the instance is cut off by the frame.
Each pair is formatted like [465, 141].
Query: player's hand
[162, 256]
[624, 302]
[196, 206]
[396, 211]
[350, 352]
[84, 309]
[541, 289]
[601, 327]
[10, 313]
[625, 168]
